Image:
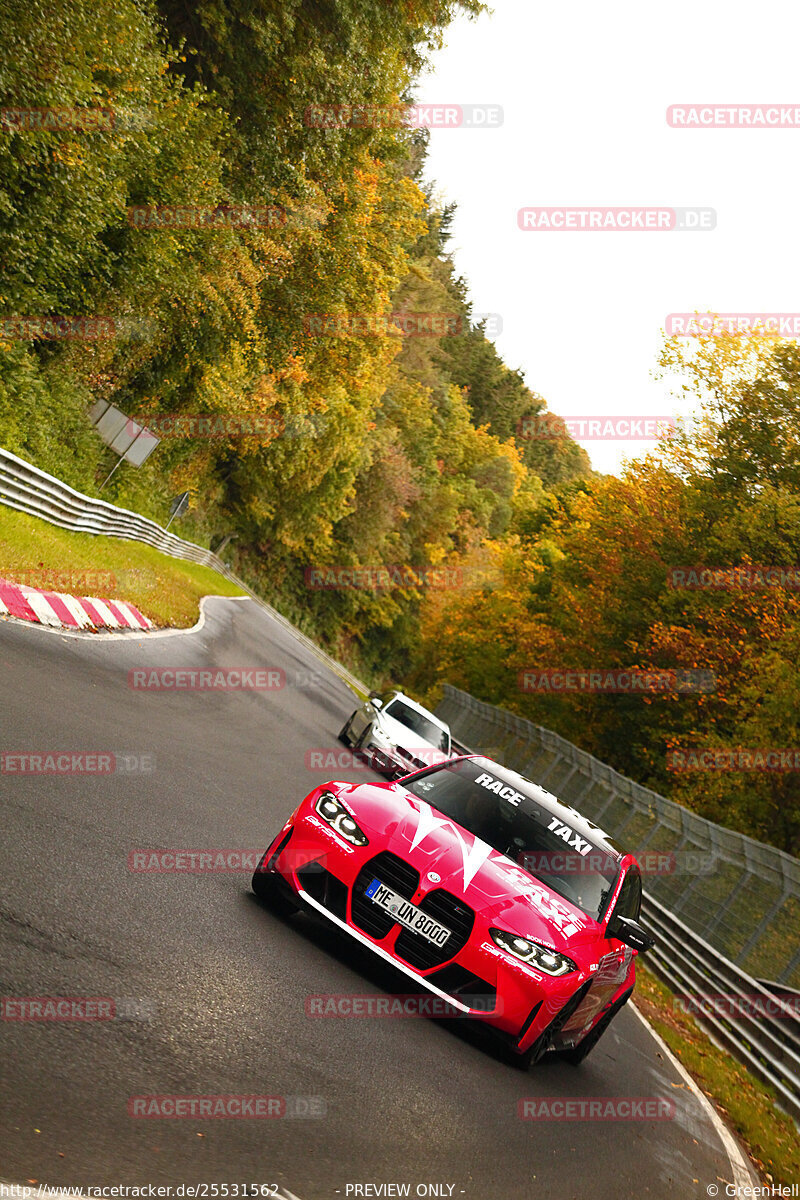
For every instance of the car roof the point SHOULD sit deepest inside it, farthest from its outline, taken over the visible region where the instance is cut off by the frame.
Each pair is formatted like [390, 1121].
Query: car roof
[397, 695]
[552, 805]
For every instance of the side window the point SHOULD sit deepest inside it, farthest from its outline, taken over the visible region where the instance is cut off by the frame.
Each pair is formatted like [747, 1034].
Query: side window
[629, 900]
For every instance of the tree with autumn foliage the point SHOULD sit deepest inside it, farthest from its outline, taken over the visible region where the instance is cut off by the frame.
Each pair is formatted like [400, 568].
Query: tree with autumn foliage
[379, 450]
[587, 582]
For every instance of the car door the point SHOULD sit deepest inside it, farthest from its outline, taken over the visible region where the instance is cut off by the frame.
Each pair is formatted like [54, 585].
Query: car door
[614, 962]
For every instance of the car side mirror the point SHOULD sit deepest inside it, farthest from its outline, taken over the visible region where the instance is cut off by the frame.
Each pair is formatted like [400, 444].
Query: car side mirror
[376, 702]
[626, 930]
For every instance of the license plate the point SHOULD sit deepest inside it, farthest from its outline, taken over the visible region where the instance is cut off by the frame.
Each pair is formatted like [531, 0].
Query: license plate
[407, 913]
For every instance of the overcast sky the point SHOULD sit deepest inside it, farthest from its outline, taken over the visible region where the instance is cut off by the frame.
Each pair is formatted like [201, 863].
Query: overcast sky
[584, 89]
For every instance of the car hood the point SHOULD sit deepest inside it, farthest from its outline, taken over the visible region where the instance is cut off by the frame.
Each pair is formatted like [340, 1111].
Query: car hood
[491, 883]
[401, 735]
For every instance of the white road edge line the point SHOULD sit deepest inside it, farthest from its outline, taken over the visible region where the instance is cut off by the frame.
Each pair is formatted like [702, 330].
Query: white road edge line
[132, 634]
[743, 1174]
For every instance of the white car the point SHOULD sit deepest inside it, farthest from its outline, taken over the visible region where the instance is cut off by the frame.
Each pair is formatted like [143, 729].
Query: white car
[397, 735]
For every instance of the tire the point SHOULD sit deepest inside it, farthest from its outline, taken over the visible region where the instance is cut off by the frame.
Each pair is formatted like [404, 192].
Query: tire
[363, 737]
[531, 1056]
[344, 733]
[578, 1053]
[269, 891]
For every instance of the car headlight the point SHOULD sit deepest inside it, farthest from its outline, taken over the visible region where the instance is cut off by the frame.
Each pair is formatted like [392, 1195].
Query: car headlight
[540, 957]
[379, 738]
[339, 819]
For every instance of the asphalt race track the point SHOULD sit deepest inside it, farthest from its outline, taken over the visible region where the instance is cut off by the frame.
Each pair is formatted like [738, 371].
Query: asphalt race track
[216, 985]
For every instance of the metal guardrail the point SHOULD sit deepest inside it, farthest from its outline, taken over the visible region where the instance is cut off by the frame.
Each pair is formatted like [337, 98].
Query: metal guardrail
[26, 488]
[29, 490]
[757, 1023]
[759, 1028]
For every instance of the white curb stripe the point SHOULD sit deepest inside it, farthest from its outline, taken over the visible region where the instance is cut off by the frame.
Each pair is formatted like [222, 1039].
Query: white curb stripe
[3, 608]
[105, 612]
[133, 620]
[41, 607]
[77, 610]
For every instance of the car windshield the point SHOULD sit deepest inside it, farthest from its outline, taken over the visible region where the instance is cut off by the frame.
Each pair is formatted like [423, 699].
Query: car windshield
[422, 726]
[495, 806]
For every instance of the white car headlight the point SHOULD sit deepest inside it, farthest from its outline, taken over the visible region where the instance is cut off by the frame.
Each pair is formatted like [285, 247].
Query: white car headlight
[339, 819]
[540, 957]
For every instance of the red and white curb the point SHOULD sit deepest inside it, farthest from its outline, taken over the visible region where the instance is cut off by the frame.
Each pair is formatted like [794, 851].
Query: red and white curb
[68, 612]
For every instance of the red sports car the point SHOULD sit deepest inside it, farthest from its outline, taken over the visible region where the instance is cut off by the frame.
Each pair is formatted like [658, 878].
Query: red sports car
[480, 886]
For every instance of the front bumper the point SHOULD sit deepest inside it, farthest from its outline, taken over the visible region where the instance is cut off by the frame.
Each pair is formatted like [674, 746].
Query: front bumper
[390, 762]
[476, 979]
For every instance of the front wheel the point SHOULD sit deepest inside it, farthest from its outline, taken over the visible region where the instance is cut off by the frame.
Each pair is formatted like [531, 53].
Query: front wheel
[540, 1047]
[269, 890]
[344, 733]
[578, 1053]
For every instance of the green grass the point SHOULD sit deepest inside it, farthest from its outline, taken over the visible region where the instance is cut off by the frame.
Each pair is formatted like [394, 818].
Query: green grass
[747, 1105]
[167, 590]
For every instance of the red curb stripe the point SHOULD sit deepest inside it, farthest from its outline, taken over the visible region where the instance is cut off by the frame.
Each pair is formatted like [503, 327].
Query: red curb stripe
[16, 603]
[139, 617]
[60, 609]
[91, 612]
[121, 617]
